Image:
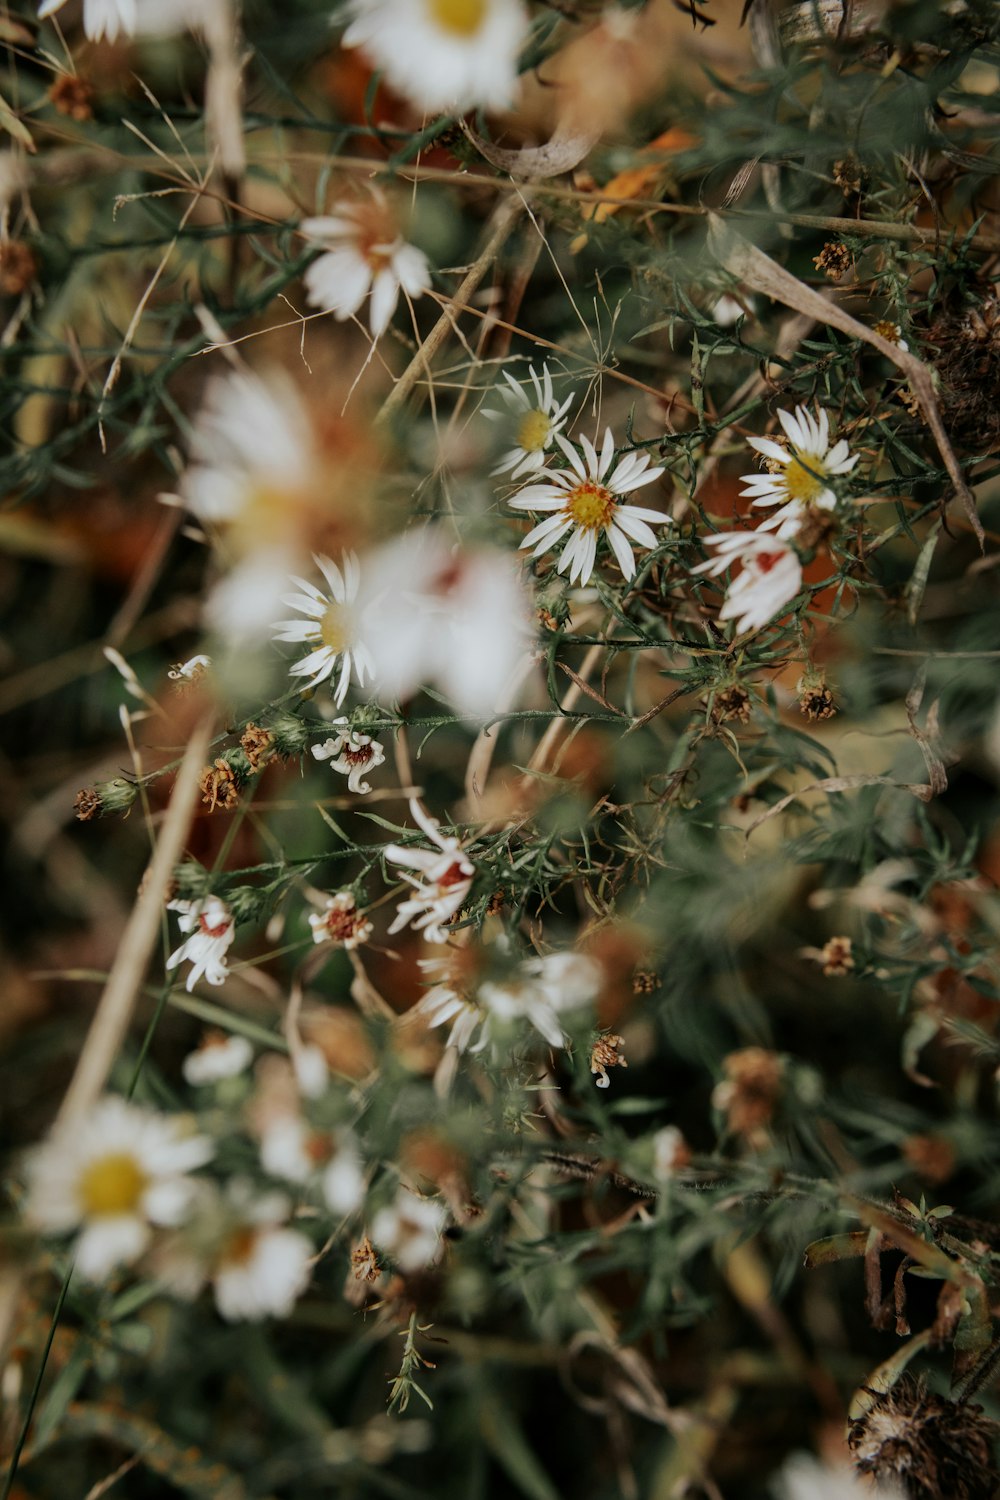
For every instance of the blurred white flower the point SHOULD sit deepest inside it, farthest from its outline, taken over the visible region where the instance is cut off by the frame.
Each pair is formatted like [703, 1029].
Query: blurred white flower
[212, 929]
[219, 1056]
[292, 1149]
[111, 18]
[670, 1152]
[443, 880]
[805, 1478]
[409, 1229]
[241, 606]
[453, 617]
[450, 1000]
[536, 422]
[798, 474]
[770, 577]
[113, 1175]
[351, 753]
[340, 922]
[586, 500]
[451, 55]
[331, 626]
[310, 1068]
[363, 254]
[728, 311]
[541, 989]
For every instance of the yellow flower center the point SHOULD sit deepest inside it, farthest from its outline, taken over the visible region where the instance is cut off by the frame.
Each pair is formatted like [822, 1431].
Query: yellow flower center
[533, 431]
[590, 506]
[804, 483]
[333, 628]
[461, 17]
[112, 1184]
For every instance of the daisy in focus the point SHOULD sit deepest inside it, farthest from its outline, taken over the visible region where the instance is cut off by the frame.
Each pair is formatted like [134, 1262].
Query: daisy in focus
[769, 579]
[212, 929]
[799, 472]
[442, 882]
[330, 626]
[352, 754]
[586, 500]
[443, 55]
[113, 1176]
[536, 422]
[364, 254]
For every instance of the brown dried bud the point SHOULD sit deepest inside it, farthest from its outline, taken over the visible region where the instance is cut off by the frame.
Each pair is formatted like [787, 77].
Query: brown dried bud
[365, 1262]
[257, 744]
[816, 701]
[604, 1054]
[834, 259]
[849, 175]
[218, 785]
[933, 1448]
[837, 958]
[645, 982]
[73, 96]
[932, 1157]
[546, 618]
[496, 903]
[750, 1090]
[18, 267]
[87, 804]
[732, 703]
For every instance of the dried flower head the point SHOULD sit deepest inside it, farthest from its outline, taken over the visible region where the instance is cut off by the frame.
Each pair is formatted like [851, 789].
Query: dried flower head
[219, 786]
[365, 1262]
[891, 332]
[816, 701]
[645, 982]
[749, 1091]
[184, 674]
[968, 367]
[834, 259]
[836, 957]
[258, 745]
[604, 1054]
[73, 96]
[849, 175]
[732, 702]
[18, 267]
[935, 1448]
[87, 804]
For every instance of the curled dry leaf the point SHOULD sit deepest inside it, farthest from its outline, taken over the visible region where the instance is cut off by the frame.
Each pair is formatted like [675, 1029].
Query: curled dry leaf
[562, 153]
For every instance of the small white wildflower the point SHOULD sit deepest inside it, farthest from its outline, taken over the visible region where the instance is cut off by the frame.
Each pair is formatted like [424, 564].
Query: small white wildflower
[311, 1072]
[409, 1229]
[352, 754]
[443, 880]
[670, 1153]
[190, 671]
[114, 18]
[364, 254]
[892, 333]
[113, 1175]
[451, 55]
[770, 577]
[331, 626]
[291, 1149]
[218, 1057]
[450, 1000]
[541, 989]
[801, 470]
[212, 929]
[805, 1478]
[340, 922]
[585, 501]
[536, 421]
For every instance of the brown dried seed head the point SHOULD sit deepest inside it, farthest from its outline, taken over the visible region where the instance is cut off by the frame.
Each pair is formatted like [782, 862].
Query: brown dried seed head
[87, 804]
[849, 176]
[72, 96]
[749, 1093]
[645, 982]
[837, 957]
[218, 785]
[816, 701]
[365, 1262]
[933, 1448]
[834, 259]
[257, 744]
[606, 1053]
[732, 703]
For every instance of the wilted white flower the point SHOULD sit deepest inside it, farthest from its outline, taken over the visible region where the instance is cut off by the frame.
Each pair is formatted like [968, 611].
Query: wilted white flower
[770, 577]
[541, 989]
[212, 929]
[805, 1478]
[218, 1057]
[449, 999]
[536, 422]
[191, 670]
[441, 885]
[451, 55]
[892, 333]
[586, 500]
[113, 1175]
[351, 753]
[331, 626]
[800, 472]
[409, 1229]
[340, 922]
[456, 618]
[364, 253]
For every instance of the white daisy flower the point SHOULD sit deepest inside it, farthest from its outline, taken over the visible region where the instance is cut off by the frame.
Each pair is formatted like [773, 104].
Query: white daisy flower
[449, 1000]
[219, 1056]
[536, 421]
[585, 500]
[452, 55]
[212, 929]
[892, 333]
[352, 753]
[409, 1229]
[541, 990]
[111, 18]
[799, 473]
[454, 617]
[364, 254]
[770, 577]
[112, 1176]
[340, 922]
[291, 1149]
[441, 885]
[331, 625]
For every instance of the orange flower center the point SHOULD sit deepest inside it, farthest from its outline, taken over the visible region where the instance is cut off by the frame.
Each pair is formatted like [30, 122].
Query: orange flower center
[239, 1247]
[454, 875]
[533, 431]
[804, 483]
[460, 17]
[590, 505]
[112, 1184]
[219, 930]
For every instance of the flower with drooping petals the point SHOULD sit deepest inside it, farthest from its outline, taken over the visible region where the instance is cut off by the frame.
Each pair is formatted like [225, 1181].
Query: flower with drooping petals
[536, 422]
[352, 753]
[212, 929]
[443, 880]
[331, 626]
[409, 1229]
[799, 474]
[450, 998]
[453, 55]
[364, 253]
[770, 576]
[585, 501]
[113, 1175]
